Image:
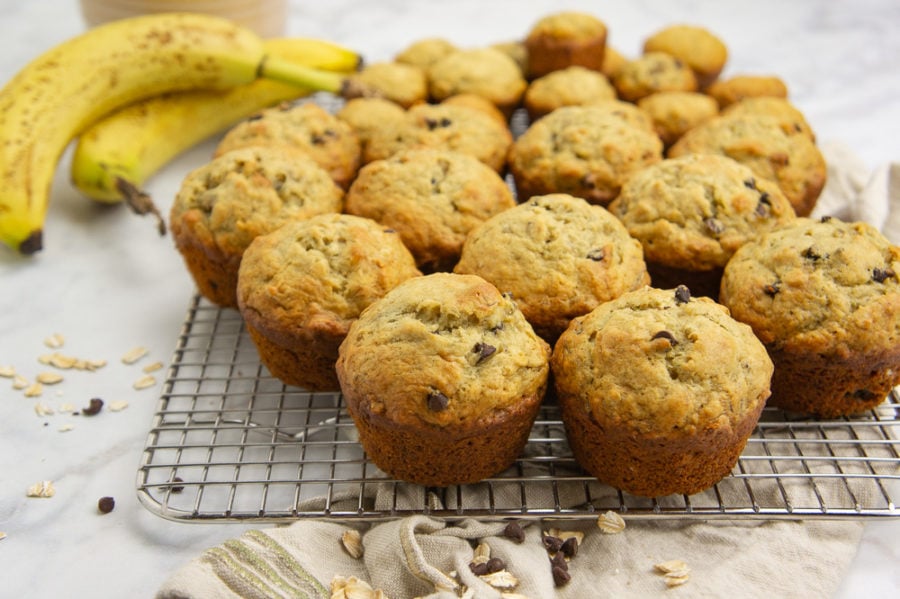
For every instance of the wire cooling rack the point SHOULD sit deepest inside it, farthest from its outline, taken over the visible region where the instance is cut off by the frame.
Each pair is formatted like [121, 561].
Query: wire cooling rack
[229, 442]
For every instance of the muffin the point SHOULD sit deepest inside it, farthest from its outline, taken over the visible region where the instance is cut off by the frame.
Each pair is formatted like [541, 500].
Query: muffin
[572, 86]
[563, 39]
[486, 72]
[432, 198]
[653, 72]
[223, 205]
[627, 112]
[703, 51]
[404, 84]
[692, 213]
[478, 103]
[582, 151]
[557, 256]
[443, 377]
[446, 127]
[302, 285]
[674, 113]
[516, 50]
[613, 60]
[791, 118]
[332, 143]
[824, 298]
[659, 391]
[789, 158]
[423, 52]
[729, 91]
[366, 115]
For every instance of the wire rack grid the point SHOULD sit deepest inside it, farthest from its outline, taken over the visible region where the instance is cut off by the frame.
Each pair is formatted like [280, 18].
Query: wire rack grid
[229, 442]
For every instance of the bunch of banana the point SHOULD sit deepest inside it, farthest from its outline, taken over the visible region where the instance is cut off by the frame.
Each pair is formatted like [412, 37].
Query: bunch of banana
[56, 96]
[115, 156]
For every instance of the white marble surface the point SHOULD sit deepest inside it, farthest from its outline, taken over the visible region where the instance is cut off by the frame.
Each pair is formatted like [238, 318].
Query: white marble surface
[108, 283]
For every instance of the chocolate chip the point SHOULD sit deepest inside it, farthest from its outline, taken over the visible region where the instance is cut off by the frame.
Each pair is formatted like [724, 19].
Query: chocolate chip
[811, 253]
[551, 543]
[750, 183]
[880, 275]
[570, 547]
[484, 350]
[825, 219]
[437, 401]
[665, 335]
[479, 569]
[714, 225]
[597, 255]
[495, 564]
[106, 505]
[559, 561]
[560, 577]
[682, 294]
[762, 208]
[433, 124]
[863, 395]
[177, 488]
[771, 289]
[514, 531]
[94, 407]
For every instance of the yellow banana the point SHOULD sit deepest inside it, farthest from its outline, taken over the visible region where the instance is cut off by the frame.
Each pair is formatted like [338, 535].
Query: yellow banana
[115, 156]
[53, 98]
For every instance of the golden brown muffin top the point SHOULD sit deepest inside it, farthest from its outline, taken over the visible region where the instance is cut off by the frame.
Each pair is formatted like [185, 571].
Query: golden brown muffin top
[568, 25]
[731, 90]
[703, 51]
[790, 117]
[653, 72]
[486, 72]
[366, 115]
[695, 211]
[225, 204]
[572, 86]
[661, 363]
[423, 52]
[319, 274]
[402, 83]
[825, 286]
[444, 350]
[674, 113]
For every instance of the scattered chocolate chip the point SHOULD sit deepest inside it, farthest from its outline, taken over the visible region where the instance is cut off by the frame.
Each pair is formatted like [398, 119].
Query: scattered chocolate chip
[665, 335]
[514, 531]
[714, 225]
[484, 350]
[497, 328]
[317, 140]
[682, 294]
[106, 505]
[551, 543]
[94, 407]
[863, 395]
[750, 183]
[433, 124]
[596, 255]
[495, 564]
[880, 275]
[479, 569]
[569, 547]
[560, 577]
[772, 289]
[762, 208]
[437, 401]
[811, 253]
[825, 219]
[177, 488]
[559, 561]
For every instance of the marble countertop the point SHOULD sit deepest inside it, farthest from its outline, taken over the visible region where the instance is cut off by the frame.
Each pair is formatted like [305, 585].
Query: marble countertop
[107, 282]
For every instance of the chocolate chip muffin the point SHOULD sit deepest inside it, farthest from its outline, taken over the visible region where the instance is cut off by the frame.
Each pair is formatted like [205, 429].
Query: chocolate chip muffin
[659, 391]
[366, 115]
[423, 52]
[478, 103]
[789, 158]
[557, 256]
[791, 118]
[627, 112]
[446, 127]
[302, 285]
[486, 72]
[563, 39]
[653, 72]
[728, 91]
[692, 213]
[402, 83]
[443, 377]
[572, 86]
[824, 298]
[582, 151]
[703, 51]
[432, 198]
[674, 113]
[222, 206]
[332, 143]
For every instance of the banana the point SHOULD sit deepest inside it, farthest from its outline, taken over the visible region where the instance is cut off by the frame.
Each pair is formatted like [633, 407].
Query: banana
[53, 98]
[115, 156]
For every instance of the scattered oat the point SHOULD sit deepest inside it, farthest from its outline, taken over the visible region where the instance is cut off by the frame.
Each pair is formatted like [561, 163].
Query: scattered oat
[468, 593]
[64, 362]
[7, 372]
[49, 378]
[67, 407]
[118, 405]
[513, 596]
[482, 553]
[55, 341]
[134, 354]
[20, 382]
[66, 427]
[353, 588]
[144, 382]
[352, 542]
[42, 409]
[90, 365]
[674, 580]
[2, 535]
[676, 572]
[502, 579]
[152, 367]
[611, 523]
[41, 489]
[34, 390]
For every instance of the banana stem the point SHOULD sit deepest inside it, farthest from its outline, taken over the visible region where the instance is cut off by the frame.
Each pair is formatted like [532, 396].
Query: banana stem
[285, 71]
